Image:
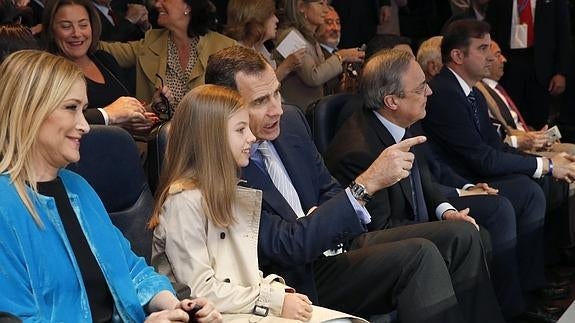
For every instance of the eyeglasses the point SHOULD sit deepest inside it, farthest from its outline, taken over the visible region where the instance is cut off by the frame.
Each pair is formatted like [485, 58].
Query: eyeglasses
[420, 90]
[160, 103]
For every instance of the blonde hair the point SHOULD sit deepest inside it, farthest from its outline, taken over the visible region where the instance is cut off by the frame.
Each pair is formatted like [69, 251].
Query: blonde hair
[247, 20]
[297, 20]
[198, 152]
[32, 85]
[429, 50]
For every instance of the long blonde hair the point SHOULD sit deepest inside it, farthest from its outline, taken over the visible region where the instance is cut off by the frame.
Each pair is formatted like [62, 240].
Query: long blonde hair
[247, 20]
[297, 19]
[198, 152]
[32, 85]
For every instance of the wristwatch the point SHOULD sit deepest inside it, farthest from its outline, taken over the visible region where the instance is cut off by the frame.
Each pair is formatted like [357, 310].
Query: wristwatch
[359, 192]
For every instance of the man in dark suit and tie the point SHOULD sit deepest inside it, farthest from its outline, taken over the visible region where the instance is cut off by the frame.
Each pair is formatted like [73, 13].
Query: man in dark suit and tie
[122, 26]
[394, 92]
[461, 133]
[505, 114]
[307, 213]
[534, 36]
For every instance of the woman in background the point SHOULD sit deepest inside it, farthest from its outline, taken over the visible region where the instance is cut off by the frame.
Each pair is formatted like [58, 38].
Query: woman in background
[72, 30]
[206, 225]
[252, 23]
[178, 52]
[306, 84]
[62, 259]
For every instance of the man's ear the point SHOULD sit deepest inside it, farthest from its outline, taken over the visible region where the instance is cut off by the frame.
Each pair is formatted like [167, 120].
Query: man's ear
[457, 56]
[390, 102]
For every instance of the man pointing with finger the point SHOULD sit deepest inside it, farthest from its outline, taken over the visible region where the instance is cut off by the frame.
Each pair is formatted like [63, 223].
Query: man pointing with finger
[312, 230]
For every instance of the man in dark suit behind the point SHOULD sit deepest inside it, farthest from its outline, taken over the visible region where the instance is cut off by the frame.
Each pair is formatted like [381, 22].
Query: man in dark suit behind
[122, 26]
[298, 225]
[537, 53]
[395, 92]
[461, 133]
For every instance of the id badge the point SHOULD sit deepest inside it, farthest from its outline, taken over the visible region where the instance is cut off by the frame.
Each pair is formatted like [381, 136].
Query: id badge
[519, 36]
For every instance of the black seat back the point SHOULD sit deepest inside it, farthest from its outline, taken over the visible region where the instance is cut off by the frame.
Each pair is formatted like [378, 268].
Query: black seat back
[323, 116]
[110, 162]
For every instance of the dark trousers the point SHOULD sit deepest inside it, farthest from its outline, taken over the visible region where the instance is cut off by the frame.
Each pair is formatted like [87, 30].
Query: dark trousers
[497, 215]
[527, 250]
[430, 272]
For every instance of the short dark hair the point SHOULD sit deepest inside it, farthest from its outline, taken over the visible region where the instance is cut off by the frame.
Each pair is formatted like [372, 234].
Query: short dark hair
[384, 41]
[15, 37]
[203, 17]
[224, 65]
[458, 35]
[52, 6]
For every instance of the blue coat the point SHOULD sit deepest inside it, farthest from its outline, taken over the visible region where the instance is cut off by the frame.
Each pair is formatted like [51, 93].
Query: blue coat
[288, 246]
[39, 275]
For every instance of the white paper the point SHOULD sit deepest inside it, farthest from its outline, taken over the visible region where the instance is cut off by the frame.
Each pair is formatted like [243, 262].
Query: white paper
[292, 42]
[553, 134]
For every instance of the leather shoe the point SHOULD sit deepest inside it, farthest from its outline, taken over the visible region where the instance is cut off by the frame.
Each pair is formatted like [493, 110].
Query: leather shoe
[537, 314]
[553, 293]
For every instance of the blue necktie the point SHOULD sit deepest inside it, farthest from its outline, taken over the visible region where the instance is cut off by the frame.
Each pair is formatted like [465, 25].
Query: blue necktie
[473, 102]
[420, 209]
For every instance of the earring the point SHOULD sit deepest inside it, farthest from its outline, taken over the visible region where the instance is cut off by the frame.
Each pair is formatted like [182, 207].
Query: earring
[185, 13]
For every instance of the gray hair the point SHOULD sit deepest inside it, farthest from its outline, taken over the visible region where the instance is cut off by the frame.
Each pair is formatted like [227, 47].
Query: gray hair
[429, 50]
[382, 76]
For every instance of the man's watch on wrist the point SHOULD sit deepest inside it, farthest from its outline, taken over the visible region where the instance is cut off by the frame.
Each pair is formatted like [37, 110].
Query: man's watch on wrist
[359, 192]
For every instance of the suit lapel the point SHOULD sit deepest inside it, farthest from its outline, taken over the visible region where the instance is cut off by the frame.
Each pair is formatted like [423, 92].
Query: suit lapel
[256, 178]
[451, 78]
[155, 60]
[385, 140]
[288, 147]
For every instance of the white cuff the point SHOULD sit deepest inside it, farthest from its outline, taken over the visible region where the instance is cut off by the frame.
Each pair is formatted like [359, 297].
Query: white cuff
[513, 141]
[539, 170]
[105, 115]
[441, 208]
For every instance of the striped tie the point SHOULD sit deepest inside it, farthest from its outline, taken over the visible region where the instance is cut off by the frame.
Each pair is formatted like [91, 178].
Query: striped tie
[280, 179]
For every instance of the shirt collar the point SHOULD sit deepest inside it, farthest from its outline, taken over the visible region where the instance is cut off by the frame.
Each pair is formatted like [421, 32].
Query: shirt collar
[491, 83]
[464, 86]
[328, 48]
[396, 131]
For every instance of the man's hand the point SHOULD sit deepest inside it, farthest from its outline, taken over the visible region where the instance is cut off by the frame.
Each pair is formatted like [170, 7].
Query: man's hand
[532, 140]
[463, 215]
[479, 189]
[296, 307]
[563, 167]
[556, 85]
[392, 165]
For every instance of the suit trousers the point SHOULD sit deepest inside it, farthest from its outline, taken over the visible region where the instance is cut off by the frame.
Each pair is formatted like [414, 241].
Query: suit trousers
[496, 215]
[430, 272]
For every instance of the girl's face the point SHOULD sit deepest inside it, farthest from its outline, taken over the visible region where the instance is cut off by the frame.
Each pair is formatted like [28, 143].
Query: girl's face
[240, 136]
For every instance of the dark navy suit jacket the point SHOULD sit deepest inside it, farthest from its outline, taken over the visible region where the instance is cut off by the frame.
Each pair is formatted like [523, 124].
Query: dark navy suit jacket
[288, 246]
[355, 147]
[473, 153]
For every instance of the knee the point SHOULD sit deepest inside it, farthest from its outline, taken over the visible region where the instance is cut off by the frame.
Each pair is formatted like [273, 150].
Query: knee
[424, 249]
